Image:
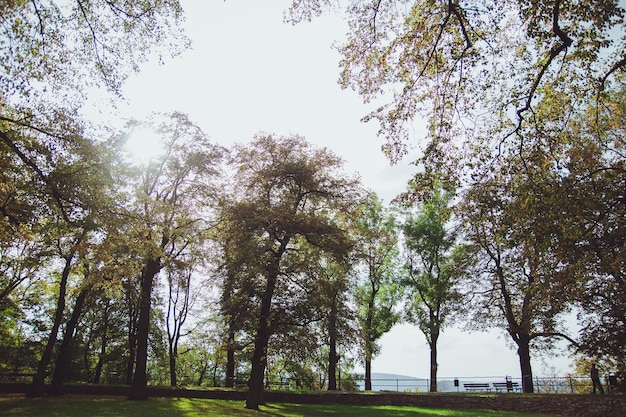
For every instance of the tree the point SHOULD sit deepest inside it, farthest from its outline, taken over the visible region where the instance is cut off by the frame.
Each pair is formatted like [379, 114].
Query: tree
[65, 46]
[180, 301]
[430, 284]
[69, 188]
[285, 193]
[377, 294]
[473, 70]
[51, 54]
[172, 214]
[522, 285]
[68, 247]
[506, 78]
[336, 323]
[63, 356]
[591, 233]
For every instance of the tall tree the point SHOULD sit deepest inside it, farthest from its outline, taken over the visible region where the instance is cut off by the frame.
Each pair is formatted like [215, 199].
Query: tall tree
[336, 322]
[68, 247]
[70, 179]
[377, 293]
[523, 285]
[472, 69]
[430, 282]
[179, 303]
[592, 232]
[63, 356]
[508, 78]
[285, 195]
[172, 214]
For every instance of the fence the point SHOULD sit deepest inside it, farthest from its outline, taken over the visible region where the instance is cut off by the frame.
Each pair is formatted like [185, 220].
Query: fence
[542, 385]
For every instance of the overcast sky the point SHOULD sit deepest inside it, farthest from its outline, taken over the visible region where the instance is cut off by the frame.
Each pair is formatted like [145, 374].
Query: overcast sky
[249, 72]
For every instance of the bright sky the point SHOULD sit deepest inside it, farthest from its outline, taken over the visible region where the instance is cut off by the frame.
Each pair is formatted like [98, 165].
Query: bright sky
[249, 72]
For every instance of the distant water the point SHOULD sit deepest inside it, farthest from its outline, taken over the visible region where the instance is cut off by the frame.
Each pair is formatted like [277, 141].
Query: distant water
[403, 383]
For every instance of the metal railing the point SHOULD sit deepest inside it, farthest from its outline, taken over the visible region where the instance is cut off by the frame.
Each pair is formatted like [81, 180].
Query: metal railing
[570, 384]
[542, 385]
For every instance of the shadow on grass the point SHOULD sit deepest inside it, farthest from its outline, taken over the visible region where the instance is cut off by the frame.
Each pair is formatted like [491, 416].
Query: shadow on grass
[344, 410]
[69, 406]
[85, 406]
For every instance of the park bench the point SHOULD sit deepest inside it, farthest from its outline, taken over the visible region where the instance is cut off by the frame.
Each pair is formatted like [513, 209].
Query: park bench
[471, 387]
[241, 383]
[279, 384]
[508, 386]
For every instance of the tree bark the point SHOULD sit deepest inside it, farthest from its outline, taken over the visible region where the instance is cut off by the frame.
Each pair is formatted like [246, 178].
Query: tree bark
[369, 342]
[132, 338]
[368, 370]
[63, 357]
[205, 367]
[256, 387]
[259, 357]
[139, 387]
[523, 351]
[37, 388]
[173, 354]
[433, 365]
[333, 358]
[104, 341]
[230, 359]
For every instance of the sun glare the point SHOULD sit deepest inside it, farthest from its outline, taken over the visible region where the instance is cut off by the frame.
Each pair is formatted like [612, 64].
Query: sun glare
[144, 145]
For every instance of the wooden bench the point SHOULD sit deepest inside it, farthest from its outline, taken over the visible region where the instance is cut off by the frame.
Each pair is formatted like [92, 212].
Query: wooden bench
[471, 387]
[508, 386]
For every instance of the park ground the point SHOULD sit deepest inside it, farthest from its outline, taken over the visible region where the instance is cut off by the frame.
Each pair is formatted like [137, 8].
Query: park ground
[17, 405]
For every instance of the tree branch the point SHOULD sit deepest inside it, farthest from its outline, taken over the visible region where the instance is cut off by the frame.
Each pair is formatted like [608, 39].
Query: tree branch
[56, 194]
[566, 41]
[555, 334]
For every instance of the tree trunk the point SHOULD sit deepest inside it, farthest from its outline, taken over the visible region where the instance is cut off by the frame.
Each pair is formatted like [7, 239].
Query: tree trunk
[173, 353]
[333, 358]
[104, 341]
[230, 360]
[139, 387]
[37, 388]
[132, 333]
[368, 370]
[215, 366]
[132, 353]
[433, 366]
[369, 339]
[523, 351]
[256, 388]
[63, 357]
[203, 370]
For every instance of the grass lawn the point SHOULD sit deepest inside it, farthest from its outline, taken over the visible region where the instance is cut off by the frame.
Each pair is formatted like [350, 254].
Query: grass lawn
[82, 406]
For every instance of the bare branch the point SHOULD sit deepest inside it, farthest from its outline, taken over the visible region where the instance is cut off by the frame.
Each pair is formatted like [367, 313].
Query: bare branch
[54, 191]
[566, 41]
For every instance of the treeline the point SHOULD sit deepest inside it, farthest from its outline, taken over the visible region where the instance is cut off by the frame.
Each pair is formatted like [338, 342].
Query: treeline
[217, 267]
[209, 265]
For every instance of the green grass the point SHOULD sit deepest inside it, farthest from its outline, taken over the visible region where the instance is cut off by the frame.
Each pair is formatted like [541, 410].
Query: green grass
[79, 406]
